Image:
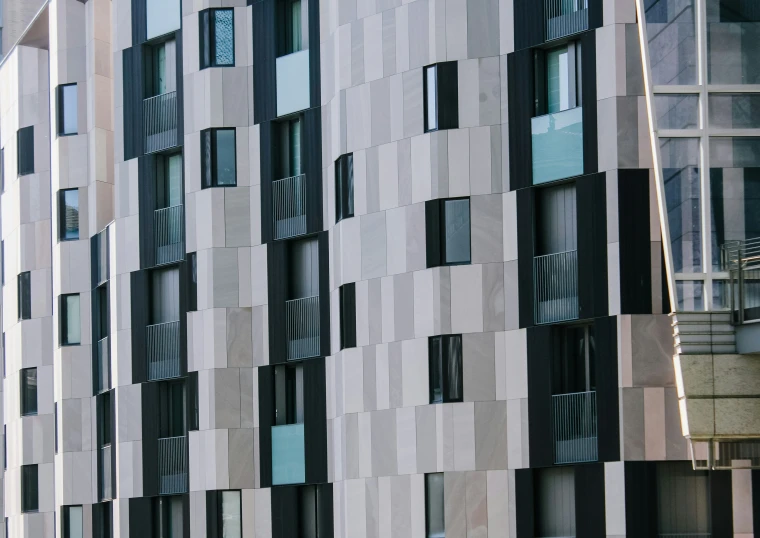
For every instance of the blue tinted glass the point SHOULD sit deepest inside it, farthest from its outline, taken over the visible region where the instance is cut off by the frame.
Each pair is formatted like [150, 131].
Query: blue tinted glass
[70, 214]
[225, 157]
[457, 215]
[224, 46]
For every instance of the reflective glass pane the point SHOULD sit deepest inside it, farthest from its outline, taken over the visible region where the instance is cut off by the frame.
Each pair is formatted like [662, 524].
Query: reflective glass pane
[680, 172]
[434, 514]
[454, 367]
[75, 522]
[224, 48]
[70, 214]
[677, 111]
[457, 220]
[225, 157]
[69, 104]
[432, 107]
[231, 522]
[557, 80]
[436, 374]
[690, 295]
[720, 295]
[733, 32]
[672, 43]
[73, 320]
[734, 110]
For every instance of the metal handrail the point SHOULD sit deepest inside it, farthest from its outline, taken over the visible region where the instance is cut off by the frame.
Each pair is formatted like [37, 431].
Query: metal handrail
[565, 17]
[302, 327]
[741, 259]
[575, 428]
[289, 206]
[162, 341]
[160, 119]
[555, 285]
[169, 232]
[172, 465]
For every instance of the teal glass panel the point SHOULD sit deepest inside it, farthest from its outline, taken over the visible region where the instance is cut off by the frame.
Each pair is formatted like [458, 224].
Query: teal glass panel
[293, 82]
[557, 145]
[288, 455]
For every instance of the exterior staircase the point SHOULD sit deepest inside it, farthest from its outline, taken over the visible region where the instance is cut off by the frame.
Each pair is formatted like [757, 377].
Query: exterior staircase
[702, 333]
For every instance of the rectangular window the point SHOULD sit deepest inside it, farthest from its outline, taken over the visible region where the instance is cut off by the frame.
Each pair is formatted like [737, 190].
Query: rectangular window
[554, 501]
[161, 59]
[73, 523]
[218, 167]
[24, 295]
[66, 101]
[168, 180]
[164, 296]
[192, 396]
[441, 95]
[558, 79]
[217, 38]
[29, 489]
[171, 409]
[229, 511]
[447, 226]
[288, 395]
[29, 391]
[445, 368]
[71, 327]
[192, 267]
[168, 520]
[435, 522]
[347, 294]
[25, 150]
[104, 419]
[68, 214]
[344, 187]
[573, 370]
[293, 27]
[5, 369]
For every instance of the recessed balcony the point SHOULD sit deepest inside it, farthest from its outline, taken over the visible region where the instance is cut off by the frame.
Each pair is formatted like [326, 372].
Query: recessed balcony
[555, 286]
[169, 234]
[163, 350]
[172, 465]
[160, 122]
[575, 429]
[289, 206]
[302, 330]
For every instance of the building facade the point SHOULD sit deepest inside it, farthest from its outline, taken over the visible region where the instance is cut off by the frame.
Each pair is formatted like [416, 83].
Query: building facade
[380, 268]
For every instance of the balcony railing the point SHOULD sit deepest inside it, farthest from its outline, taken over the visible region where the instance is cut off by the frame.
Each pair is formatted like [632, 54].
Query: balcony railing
[169, 234]
[289, 206]
[741, 260]
[565, 17]
[163, 350]
[555, 285]
[160, 119]
[302, 327]
[104, 365]
[288, 464]
[574, 422]
[557, 141]
[293, 89]
[172, 465]
[106, 490]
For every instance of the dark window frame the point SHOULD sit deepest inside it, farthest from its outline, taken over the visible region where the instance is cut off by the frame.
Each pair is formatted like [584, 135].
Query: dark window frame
[64, 317]
[427, 501]
[213, 181]
[23, 135]
[65, 519]
[435, 232]
[443, 368]
[24, 295]
[30, 500]
[62, 215]
[447, 91]
[344, 196]
[208, 17]
[347, 313]
[24, 399]
[103, 425]
[61, 112]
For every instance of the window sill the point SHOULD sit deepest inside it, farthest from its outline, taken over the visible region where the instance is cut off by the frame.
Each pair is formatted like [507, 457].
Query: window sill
[64, 135]
[216, 66]
[218, 186]
[77, 344]
[35, 414]
[63, 240]
[343, 218]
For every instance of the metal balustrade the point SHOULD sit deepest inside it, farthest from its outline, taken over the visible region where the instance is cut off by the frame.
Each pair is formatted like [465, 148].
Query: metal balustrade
[172, 465]
[169, 234]
[574, 423]
[104, 365]
[163, 350]
[741, 260]
[302, 327]
[289, 206]
[106, 490]
[160, 121]
[565, 17]
[555, 284]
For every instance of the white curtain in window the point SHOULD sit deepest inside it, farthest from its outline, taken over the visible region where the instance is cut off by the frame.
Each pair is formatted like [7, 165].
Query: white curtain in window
[231, 524]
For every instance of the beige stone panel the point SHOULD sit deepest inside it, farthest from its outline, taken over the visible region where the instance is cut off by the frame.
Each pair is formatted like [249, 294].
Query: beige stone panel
[700, 415]
[737, 416]
[736, 375]
[694, 374]
[654, 424]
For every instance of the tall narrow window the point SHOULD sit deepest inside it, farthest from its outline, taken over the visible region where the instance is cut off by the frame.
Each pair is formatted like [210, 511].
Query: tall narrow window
[435, 522]
[288, 394]
[192, 269]
[445, 368]
[347, 294]
[558, 85]
[168, 517]
[29, 489]
[441, 95]
[66, 97]
[68, 214]
[71, 332]
[447, 224]
[230, 511]
[73, 523]
[217, 38]
[171, 409]
[218, 167]
[193, 419]
[554, 500]
[169, 180]
[24, 295]
[293, 27]
[2, 169]
[344, 187]
[25, 150]
[29, 391]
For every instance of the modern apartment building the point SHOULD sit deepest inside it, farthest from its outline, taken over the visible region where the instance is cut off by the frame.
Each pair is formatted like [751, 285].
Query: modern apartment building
[381, 269]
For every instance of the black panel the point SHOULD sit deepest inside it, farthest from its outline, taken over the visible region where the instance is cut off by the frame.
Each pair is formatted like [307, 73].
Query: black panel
[314, 55]
[588, 80]
[529, 23]
[212, 514]
[180, 98]
[315, 420]
[325, 511]
[589, 501]
[184, 300]
[25, 150]
[448, 95]
[264, 55]
[591, 200]
[525, 516]
[150, 434]
[607, 394]
[277, 264]
[721, 511]
[146, 178]
[112, 411]
[312, 160]
[347, 295]
[192, 401]
[134, 85]
[266, 418]
[141, 517]
[635, 245]
[266, 153]
[138, 281]
[139, 21]
[433, 232]
[756, 501]
[521, 97]
[541, 349]
[284, 515]
[595, 14]
[525, 232]
[324, 294]
[640, 499]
